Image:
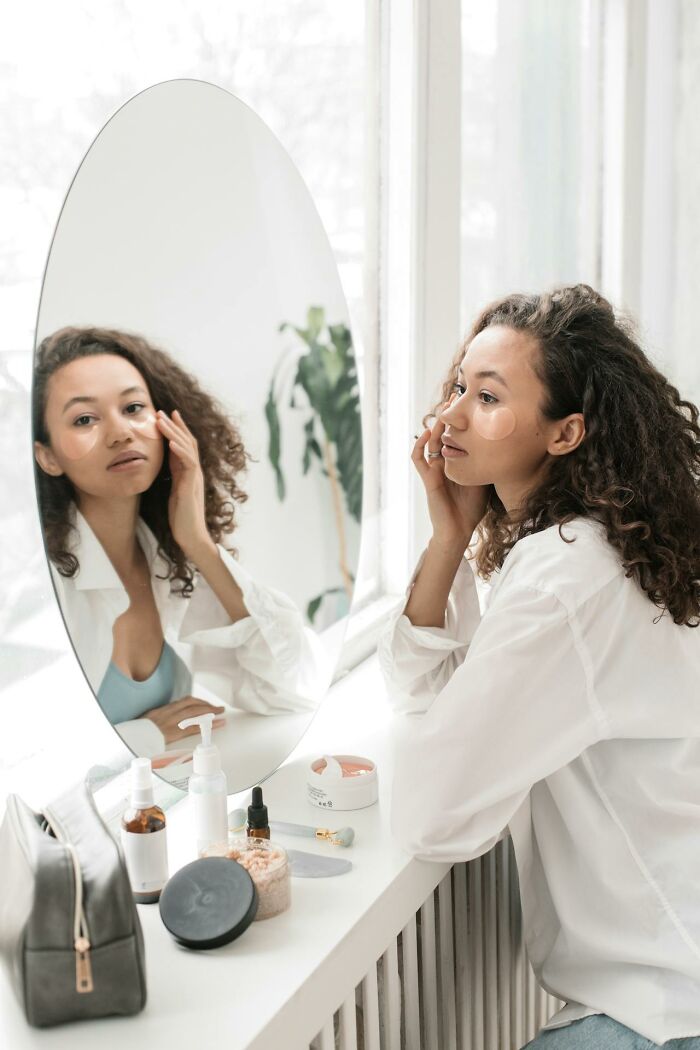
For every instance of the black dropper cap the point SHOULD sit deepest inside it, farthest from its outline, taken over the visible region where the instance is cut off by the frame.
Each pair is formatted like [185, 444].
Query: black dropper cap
[257, 812]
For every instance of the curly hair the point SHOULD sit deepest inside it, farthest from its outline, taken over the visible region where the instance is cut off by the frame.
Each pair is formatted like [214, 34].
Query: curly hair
[221, 452]
[636, 470]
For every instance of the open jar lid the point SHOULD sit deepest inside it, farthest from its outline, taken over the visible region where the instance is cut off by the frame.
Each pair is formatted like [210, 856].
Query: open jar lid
[208, 903]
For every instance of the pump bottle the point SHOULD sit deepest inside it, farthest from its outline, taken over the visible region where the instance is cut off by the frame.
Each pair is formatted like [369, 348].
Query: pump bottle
[143, 837]
[207, 787]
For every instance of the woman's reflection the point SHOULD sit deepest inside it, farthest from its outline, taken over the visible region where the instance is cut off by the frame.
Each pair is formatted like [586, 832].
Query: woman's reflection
[137, 486]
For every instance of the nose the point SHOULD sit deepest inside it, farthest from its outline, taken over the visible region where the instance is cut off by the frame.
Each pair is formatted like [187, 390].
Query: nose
[118, 429]
[452, 414]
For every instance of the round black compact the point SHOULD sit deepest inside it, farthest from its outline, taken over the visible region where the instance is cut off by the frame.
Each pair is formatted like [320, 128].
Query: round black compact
[208, 903]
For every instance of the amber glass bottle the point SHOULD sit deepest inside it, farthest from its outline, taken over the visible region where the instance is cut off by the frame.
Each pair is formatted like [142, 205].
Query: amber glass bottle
[143, 837]
[257, 826]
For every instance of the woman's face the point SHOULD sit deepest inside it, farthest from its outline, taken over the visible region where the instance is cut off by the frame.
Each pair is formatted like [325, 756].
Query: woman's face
[102, 430]
[495, 421]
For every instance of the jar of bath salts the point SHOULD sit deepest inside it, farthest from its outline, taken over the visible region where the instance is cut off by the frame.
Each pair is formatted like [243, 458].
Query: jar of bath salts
[268, 867]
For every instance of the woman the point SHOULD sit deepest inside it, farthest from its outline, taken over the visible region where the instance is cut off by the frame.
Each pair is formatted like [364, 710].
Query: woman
[568, 712]
[135, 502]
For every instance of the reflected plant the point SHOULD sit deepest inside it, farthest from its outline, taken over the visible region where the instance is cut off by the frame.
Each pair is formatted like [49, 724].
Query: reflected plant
[326, 377]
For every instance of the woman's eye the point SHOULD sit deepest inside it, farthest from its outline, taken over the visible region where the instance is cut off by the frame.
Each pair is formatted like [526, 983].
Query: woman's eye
[493, 399]
[136, 406]
[459, 388]
[83, 421]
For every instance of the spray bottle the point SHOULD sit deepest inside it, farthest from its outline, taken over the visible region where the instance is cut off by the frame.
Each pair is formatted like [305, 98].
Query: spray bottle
[207, 787]
[143, 836]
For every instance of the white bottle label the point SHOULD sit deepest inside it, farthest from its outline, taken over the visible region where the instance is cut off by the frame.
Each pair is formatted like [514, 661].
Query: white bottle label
[146, 859]
[210, 819]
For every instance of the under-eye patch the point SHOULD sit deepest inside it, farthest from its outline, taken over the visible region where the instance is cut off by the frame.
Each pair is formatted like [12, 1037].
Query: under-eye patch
[75, 441]
[493, 422]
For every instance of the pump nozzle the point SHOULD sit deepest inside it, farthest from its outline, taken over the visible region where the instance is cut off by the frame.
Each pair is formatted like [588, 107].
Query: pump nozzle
[206, 755]
[204, 722]
[141, 783]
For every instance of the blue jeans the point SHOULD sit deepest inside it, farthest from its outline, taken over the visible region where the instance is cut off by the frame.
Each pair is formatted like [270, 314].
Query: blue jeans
[600, 1032]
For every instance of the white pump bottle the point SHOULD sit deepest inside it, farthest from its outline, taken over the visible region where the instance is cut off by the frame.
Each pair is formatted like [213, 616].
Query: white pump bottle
[207, 787]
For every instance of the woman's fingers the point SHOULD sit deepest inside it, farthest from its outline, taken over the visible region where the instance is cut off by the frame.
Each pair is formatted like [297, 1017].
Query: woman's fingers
[176, 427]
[183, 452]
[187, 701]
[418, 454]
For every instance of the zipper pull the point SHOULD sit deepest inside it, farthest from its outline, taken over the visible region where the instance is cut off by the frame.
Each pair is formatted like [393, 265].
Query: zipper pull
[83, 968]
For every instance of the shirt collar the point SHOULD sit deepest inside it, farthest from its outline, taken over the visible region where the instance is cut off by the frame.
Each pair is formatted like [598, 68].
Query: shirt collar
[96, 571]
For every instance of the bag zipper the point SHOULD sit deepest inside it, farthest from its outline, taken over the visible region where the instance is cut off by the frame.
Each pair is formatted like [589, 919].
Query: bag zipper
[81, 936]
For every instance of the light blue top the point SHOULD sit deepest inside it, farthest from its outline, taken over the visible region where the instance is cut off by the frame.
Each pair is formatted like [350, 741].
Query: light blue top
[123, 698]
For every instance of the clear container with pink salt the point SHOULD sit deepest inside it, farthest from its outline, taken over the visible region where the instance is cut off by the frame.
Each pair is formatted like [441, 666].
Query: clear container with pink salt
[268, 867]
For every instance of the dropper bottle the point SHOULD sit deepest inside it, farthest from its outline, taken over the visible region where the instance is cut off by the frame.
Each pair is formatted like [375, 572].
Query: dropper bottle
[257, 826]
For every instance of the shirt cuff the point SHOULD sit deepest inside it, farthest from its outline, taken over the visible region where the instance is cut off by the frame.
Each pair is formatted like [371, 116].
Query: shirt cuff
[142, 736]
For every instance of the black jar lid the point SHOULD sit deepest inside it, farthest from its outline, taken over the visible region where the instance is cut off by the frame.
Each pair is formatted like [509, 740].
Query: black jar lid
[208, 902]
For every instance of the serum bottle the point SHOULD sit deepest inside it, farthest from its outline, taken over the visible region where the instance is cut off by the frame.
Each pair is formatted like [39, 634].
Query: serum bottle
[257, 826]
[143, 837]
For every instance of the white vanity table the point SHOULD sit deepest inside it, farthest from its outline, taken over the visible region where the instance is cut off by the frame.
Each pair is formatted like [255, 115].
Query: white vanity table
[280, 982]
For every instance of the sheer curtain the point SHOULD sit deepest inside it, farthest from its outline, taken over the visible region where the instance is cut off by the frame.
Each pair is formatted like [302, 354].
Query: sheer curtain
[529, 112]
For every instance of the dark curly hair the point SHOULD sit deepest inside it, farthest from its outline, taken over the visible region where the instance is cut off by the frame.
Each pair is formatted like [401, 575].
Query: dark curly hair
[637, 468]
[221, 451]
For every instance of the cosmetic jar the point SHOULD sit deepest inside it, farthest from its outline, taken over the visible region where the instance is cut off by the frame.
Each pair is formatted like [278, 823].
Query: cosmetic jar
[268, 867]
[208, 903]
[342, 782]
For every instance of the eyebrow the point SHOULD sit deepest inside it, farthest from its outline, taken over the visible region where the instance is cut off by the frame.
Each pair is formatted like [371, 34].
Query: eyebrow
[94, 400]
[487, 374]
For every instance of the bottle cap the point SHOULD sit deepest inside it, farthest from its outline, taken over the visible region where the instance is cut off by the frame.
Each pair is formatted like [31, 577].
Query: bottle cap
[208, 903]
[141, 783]
[207, 759]
[257, 812]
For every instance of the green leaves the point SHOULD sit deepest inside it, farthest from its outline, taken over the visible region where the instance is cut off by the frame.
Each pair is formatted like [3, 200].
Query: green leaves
[327, 374]
[273, 447]
[314, 605]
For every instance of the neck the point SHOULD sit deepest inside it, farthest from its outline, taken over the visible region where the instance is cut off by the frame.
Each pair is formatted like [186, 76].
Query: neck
[114, 525]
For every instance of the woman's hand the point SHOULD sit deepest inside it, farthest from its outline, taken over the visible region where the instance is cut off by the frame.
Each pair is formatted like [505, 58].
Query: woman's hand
[186, 512]
[455, 510]
[167, 716]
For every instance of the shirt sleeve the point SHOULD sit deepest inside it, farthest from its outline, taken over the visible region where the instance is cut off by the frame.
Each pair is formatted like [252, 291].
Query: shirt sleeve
[268, 662]
[519, 707]
[141, 735]
[417, 662]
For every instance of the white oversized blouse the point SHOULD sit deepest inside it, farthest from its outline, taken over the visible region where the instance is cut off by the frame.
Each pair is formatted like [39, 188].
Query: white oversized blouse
[266, 663]
[567, 717]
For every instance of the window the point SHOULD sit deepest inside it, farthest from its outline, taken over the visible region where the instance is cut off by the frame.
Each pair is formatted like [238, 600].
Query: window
[304, 68]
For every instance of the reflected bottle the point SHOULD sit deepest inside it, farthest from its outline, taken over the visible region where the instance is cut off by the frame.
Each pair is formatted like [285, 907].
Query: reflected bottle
[257, 826]
[143, 837]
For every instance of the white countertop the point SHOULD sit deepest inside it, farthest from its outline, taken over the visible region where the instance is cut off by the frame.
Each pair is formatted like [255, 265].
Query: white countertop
[277, 984]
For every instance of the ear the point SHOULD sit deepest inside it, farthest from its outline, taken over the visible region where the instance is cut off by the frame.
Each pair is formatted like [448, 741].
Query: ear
[46, 460]
[567, 435]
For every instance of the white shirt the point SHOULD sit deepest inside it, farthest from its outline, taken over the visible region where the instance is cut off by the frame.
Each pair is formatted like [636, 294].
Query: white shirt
[566, 716]
[266, 663]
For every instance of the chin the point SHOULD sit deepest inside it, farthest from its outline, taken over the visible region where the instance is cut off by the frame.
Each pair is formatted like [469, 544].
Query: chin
[455, 472]
[459, 473]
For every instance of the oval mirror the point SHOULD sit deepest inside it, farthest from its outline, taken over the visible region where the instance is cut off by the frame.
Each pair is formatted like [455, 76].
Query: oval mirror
[197, 433]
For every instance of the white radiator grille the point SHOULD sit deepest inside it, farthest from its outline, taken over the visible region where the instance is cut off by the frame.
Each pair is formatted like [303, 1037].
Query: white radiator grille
[457, 976]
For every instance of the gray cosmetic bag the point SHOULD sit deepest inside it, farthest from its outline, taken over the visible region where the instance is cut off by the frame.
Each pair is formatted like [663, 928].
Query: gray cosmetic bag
[69, 930]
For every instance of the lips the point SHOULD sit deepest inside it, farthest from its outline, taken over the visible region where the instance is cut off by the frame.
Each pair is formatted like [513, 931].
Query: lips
[452, 444]
[125, 457]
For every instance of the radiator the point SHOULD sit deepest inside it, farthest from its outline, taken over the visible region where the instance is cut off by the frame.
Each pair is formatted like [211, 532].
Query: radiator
[456, 977]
